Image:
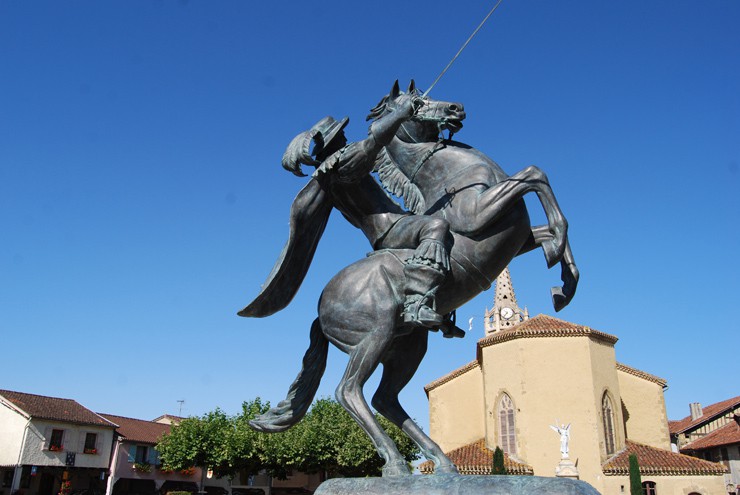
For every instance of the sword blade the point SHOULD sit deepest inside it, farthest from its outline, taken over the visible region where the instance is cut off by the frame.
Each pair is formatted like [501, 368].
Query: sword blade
[461, 48]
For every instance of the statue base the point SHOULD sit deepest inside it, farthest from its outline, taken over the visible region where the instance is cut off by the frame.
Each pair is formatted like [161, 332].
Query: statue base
[455, 484]
[566, 469]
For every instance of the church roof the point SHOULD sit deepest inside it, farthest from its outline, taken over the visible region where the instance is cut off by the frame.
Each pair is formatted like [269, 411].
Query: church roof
[708, 413]
[642, 374]
[54, 409]
[659, 462]
[727, 435]
[451, 376]
[545, 326]
[476, 458]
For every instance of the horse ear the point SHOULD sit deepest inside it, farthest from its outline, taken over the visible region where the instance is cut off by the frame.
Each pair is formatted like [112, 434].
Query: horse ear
[395, 90]
[412, 86]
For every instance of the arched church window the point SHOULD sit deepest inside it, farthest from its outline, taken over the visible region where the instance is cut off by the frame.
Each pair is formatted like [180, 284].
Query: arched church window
[507, 430]
[607, 413]
[648, 488]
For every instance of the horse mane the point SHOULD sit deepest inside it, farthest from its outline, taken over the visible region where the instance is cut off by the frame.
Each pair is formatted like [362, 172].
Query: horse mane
[395, 182]
[378, 109]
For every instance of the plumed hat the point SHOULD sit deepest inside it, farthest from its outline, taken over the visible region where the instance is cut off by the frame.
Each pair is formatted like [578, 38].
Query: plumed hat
[322, 134]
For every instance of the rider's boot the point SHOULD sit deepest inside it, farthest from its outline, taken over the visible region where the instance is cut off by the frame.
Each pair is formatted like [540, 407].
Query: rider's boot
[424, 272]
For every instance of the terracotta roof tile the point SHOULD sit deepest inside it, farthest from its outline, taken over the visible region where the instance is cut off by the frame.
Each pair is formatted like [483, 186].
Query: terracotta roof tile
[451, 376]
[659, 462]
[726, 435]
[545, 326]
[681, 425]
[139, 430]
[476, 458]
[54, 409]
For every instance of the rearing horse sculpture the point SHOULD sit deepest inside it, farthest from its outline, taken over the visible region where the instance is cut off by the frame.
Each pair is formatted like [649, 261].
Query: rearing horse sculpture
[360, 307]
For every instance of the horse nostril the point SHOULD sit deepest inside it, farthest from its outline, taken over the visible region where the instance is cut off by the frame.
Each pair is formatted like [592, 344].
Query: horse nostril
[453, 108]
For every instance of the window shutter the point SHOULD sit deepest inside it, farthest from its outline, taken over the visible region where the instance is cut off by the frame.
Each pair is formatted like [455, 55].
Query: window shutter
[131, 453]
[153, 456]
[81, 442]
[47, 438]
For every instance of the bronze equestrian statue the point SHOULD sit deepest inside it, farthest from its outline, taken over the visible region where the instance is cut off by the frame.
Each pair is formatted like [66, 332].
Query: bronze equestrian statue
[364, 309]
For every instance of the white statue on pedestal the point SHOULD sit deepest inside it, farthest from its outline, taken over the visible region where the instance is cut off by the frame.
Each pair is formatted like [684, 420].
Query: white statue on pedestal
[564, 432]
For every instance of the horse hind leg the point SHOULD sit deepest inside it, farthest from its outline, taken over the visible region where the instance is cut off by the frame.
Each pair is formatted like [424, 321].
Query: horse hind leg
[399, 365]
[364, 359]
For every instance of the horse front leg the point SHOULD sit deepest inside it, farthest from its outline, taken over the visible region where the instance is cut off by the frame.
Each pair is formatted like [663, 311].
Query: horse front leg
[494, 201]
[569, 274]
[561, 296]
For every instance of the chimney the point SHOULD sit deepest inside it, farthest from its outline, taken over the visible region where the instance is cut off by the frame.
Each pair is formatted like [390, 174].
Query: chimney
[696, 411]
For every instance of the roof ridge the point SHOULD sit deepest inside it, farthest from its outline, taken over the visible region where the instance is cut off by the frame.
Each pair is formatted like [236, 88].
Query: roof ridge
[126, 417]
[38, 395]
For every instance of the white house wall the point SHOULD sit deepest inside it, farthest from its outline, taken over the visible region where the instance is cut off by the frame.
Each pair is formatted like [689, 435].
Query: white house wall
[36, 453]
[12, 425]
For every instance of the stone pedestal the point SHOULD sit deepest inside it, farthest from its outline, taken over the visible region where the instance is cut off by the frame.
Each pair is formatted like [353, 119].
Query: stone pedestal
[455, 484]
[566, 469]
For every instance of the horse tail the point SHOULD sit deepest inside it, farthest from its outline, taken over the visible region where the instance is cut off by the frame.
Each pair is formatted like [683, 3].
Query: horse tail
[292, 409]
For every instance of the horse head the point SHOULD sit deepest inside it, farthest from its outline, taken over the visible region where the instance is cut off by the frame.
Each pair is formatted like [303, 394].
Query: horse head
[430, 120]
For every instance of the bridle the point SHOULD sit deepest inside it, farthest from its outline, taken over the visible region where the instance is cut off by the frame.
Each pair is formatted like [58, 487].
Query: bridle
[441, 122]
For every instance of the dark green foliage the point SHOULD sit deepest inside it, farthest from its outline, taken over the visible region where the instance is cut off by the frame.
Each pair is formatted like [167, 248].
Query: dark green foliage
[498, 462]
[635, 478]
[327, 440]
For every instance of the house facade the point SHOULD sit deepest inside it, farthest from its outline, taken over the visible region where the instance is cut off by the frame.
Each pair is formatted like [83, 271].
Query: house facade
[135, 466]
[712, 433]
[535, 375]
[51, 445]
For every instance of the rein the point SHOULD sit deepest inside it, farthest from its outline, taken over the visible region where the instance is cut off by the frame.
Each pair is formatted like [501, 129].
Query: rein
[427, 156]
[440, 123]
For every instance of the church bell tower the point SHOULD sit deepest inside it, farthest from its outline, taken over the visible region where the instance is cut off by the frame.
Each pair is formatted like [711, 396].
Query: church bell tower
[505, 313]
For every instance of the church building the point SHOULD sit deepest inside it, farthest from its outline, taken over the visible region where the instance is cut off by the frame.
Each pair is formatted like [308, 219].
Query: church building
[553, 397]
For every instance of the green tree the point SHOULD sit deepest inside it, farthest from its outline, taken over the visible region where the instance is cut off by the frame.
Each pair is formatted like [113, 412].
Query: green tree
[498, 462]
[329, 440]
[215, 441]
[635, 478]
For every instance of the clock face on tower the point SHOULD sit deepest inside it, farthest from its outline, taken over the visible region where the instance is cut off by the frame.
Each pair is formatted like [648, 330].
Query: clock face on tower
[507, 313]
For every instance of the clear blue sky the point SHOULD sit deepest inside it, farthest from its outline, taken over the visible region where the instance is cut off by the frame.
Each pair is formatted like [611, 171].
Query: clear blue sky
[142, 202]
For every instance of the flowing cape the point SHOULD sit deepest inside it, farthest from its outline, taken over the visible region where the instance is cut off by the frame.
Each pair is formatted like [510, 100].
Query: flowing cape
[308, 217]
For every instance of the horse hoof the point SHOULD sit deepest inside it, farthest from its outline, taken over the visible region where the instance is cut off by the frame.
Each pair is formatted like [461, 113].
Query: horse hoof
[396, 469]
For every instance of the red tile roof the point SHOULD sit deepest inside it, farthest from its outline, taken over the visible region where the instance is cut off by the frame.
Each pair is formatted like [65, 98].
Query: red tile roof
[659, 462]
[726, 435]
[476, 458]
[708, 413]
[54, 409]
[139, 430]
[545, 326]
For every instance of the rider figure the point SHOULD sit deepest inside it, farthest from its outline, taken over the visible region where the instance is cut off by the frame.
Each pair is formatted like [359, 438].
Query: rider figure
[344, 170]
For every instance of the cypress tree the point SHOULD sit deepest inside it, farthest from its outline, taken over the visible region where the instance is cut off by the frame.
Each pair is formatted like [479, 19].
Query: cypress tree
[498, 462]
[635, 479]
